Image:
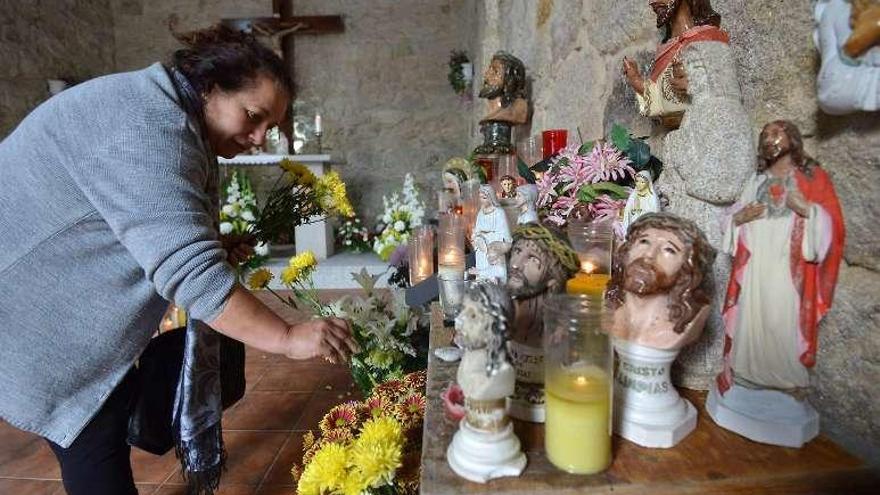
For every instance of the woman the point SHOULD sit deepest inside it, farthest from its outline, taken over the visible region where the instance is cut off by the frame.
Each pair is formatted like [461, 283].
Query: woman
[109, 205]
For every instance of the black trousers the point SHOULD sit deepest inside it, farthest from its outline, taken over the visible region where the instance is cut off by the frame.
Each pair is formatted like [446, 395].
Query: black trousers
[98, 462]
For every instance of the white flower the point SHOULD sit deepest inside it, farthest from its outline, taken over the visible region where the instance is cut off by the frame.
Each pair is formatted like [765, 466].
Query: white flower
[230, 210]
[347, 242]
[386, 218]
[261, 249]
[399, 226]
[248, 216]
[225, 228]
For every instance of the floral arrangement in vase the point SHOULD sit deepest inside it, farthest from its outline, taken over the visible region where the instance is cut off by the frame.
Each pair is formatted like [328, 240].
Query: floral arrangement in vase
[354, 236]
[593, 180]
[239, 213]
[402, 213]
[299, 197]
[369, 447]
[381, 322]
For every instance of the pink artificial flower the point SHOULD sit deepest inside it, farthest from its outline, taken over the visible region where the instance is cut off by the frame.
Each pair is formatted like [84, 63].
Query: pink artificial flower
[576, 173]
[564, 205]
[605, 208]
[607, 163]
[546, 189]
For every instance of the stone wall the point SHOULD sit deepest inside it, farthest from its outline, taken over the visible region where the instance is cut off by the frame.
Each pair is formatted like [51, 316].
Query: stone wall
[49, 40]
[573, 52]
[387, 106]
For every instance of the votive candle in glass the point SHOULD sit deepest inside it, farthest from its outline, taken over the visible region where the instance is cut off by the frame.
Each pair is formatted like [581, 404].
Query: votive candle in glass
[578, 363]
[553, 140]
[593, 242]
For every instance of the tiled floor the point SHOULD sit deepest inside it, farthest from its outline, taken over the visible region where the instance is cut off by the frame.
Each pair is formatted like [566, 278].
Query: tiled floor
[263, 432]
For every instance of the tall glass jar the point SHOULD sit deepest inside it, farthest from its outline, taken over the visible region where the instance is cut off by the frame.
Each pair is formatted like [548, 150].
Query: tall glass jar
[578, 364]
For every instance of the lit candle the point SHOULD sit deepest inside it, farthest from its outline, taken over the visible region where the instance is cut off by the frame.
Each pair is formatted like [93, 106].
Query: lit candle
[318, 127]
[578, 419]
[587, 282]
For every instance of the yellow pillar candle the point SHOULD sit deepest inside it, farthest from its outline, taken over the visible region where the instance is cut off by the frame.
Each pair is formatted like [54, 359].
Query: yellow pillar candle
[578, 419]
[591, 284]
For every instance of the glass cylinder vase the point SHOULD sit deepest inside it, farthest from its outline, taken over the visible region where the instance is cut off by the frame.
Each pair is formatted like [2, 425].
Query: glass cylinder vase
[578, 363]
[593, 241]
[450, 244]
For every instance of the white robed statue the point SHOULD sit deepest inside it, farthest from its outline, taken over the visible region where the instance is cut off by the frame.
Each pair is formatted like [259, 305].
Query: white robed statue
[643, 199]
[492, 238]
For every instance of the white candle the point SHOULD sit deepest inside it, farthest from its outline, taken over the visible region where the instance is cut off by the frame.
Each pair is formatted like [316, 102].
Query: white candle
[318, 127]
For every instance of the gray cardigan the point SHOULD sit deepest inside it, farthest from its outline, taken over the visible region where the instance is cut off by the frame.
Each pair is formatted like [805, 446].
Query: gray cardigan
[107, 201]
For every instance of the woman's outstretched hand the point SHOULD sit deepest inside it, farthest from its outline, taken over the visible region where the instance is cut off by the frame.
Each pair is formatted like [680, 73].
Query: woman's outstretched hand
[329, 338]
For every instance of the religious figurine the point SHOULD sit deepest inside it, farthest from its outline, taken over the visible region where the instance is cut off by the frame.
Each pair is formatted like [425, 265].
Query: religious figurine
[508, 187]
[710, 155]
[504, 86]
[491, 238]
[659, 301]
[453, 178]
[643, 199]
[541, 261]
[848, 34]
[485, 447]
[525, 199]
[786, 236]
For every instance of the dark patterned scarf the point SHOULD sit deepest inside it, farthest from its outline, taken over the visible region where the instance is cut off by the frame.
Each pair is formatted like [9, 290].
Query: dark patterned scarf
[197, 406]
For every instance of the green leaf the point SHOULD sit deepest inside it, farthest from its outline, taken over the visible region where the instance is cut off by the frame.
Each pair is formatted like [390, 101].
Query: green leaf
[524, 171]
[620, 137]
[587, 194]
[617, 191]
[639, 152]
[542, 166]
[586, 148]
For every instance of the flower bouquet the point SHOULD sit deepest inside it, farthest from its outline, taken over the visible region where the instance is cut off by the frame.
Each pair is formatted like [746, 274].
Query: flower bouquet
[239, 213]
[401, 215]
[354, 236]
[299, 197]
[592, 181]
[381, 322]
[370, 447]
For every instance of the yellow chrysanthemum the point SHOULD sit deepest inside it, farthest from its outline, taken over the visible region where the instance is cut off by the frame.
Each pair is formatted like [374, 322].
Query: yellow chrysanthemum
[260, 279]
[332, 196]
[354, 484]
[325, 472]
[290, 275]
[376, 454]
[299, 172]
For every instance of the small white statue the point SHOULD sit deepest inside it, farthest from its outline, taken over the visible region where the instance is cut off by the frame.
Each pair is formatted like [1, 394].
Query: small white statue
[643, 199]
[848, 37]
[485, 447]
[491, 238]
[525, 199]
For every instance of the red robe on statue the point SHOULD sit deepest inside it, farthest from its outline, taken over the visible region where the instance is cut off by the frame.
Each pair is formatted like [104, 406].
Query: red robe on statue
[814, 281]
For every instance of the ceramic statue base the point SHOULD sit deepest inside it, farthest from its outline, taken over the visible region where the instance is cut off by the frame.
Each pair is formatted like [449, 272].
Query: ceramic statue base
[496, 138]
[481, 456]
[647, 408]
[766, 416]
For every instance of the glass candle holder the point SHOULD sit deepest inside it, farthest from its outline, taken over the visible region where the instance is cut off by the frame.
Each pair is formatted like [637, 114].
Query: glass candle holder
[530, 150]
[553, 140]
[593, 242]
[450, 244]
[578, 363]
[451, 290]
[421, 254]
[470, 204]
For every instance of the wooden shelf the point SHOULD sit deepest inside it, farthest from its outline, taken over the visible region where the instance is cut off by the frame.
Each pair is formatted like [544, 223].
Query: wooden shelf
[710, 460]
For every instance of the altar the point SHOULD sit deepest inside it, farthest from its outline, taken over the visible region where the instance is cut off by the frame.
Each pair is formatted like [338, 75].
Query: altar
[710, 460]
[317, 236]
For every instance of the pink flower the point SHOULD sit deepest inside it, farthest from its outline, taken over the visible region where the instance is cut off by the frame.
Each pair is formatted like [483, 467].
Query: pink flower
[576, 173]
[605, 208]
[564, 204]
[607, 163]
[546, 189]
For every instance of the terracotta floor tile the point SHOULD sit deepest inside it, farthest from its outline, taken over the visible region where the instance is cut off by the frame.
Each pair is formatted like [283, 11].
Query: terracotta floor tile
[149, 468]
[319, 404]
[297, 377]
[25, 455]
[30, 487]
[266, 411]
[279, 473]
[250, 454]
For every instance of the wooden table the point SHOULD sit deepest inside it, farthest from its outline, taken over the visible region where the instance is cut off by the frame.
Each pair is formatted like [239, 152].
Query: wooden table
[709, 460]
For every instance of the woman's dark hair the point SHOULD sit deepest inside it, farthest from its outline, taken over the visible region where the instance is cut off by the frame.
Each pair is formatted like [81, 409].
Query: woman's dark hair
[227, 59]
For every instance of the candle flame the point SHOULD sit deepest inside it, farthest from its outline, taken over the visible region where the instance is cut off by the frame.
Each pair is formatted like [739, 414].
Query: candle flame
[588, 267]
[581, 380]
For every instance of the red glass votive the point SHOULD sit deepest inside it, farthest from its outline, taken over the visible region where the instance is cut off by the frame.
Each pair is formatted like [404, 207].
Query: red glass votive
[553, 140]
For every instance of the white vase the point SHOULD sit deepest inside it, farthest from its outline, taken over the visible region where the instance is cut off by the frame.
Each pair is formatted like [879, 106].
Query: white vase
[647, 408]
